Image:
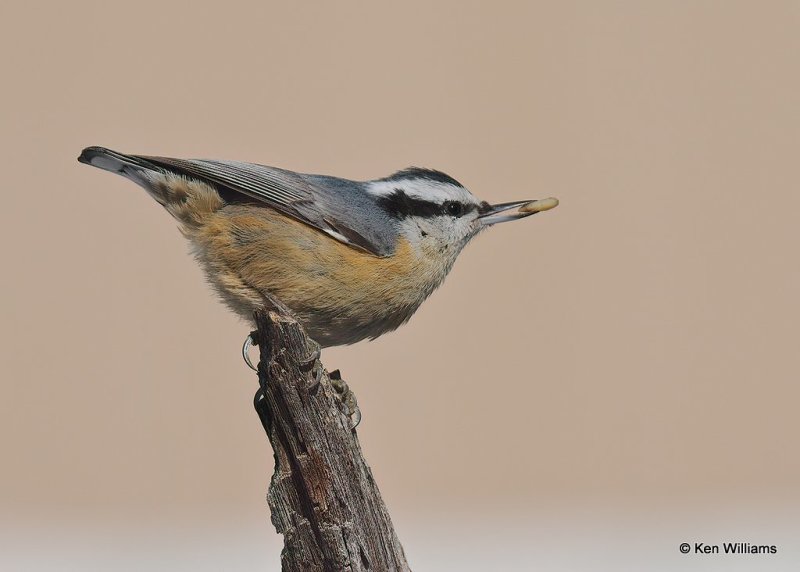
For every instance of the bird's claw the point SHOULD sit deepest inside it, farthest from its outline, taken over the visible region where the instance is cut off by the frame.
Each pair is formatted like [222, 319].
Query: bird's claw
[311, 359]
[346, 398]
[249, 342]
[311, 362]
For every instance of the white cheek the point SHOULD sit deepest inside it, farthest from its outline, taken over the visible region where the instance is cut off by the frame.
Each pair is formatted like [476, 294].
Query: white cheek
[415, 232]
[441, 235]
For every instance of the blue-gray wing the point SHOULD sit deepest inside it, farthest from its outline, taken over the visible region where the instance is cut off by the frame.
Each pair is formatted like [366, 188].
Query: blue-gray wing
[338, 207]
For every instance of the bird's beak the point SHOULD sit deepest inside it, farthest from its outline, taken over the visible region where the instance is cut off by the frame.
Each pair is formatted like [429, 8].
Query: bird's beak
[492, 214]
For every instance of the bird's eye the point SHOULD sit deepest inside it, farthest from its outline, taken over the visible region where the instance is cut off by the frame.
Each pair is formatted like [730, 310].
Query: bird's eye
[454, 208]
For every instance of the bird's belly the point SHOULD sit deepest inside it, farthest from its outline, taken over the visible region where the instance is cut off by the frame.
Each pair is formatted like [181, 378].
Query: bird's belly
[340, 294]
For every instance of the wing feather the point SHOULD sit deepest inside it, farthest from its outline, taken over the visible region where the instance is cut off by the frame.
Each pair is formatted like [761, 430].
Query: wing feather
[303, 197]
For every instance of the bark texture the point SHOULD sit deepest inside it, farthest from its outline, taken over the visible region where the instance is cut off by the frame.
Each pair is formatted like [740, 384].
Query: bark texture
[322, 496]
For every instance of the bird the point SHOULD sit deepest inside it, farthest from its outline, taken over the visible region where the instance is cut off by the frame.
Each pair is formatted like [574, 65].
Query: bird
[351, 260]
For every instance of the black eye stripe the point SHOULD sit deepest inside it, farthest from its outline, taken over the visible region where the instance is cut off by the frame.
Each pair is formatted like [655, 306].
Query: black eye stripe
[400, 205]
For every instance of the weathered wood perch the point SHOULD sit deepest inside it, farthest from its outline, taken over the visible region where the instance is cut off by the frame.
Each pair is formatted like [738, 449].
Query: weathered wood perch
[322, 495]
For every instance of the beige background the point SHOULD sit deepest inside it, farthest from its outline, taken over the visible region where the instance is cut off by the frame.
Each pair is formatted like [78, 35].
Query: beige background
[588, 389]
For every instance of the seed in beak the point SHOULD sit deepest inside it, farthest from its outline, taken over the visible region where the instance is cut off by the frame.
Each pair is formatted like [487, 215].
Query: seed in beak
[539, 206]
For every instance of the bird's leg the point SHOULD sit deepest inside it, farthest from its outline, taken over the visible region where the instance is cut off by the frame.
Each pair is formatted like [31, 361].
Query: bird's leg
[312, 359]
[345, 396]
[347, 399]
[272, 303]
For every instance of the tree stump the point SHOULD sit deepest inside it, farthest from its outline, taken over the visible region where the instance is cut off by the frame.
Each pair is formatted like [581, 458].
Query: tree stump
[323, 498]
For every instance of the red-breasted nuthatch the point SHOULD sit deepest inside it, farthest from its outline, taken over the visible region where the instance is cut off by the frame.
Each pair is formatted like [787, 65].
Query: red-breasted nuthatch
[350, 259]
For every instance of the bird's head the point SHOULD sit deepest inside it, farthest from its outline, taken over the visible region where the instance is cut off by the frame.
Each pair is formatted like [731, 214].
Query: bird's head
[437, 214]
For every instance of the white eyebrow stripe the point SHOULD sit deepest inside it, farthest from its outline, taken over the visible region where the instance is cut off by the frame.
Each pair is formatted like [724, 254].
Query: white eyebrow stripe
[422, 189]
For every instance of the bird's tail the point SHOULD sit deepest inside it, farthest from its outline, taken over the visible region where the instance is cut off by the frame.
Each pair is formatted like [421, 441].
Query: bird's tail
[131, 167]
[188, 200]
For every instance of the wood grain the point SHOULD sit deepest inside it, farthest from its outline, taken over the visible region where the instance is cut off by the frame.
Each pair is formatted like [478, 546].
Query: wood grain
[322, 496]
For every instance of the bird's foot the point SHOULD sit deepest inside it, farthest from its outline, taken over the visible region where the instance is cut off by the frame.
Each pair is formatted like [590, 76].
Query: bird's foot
[311, 363]
[346, 397]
